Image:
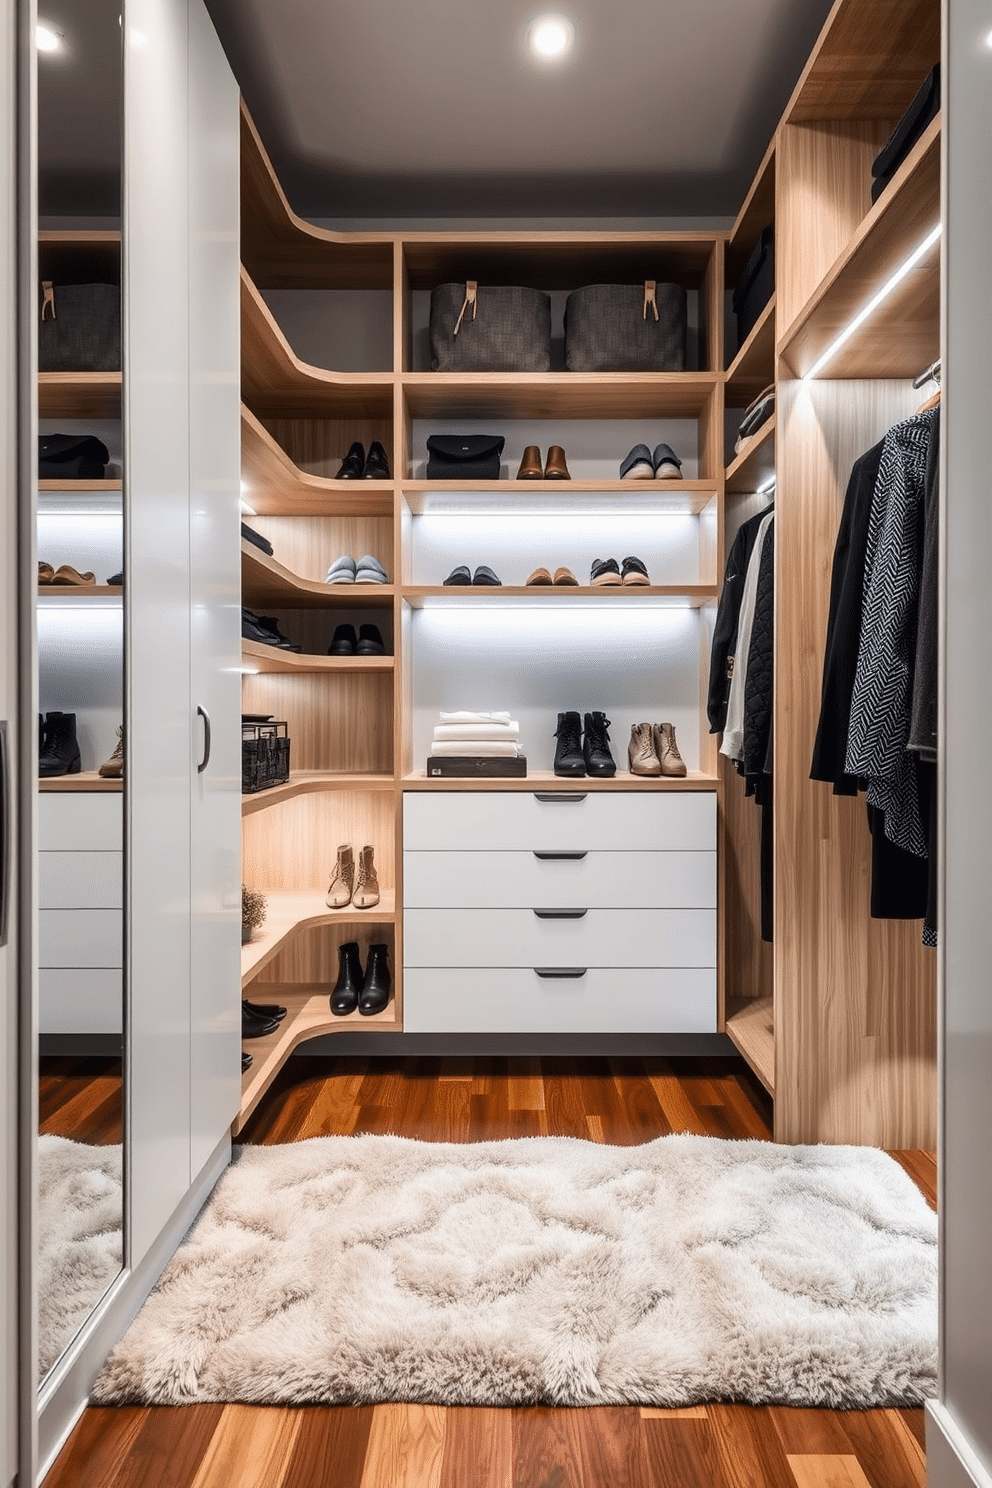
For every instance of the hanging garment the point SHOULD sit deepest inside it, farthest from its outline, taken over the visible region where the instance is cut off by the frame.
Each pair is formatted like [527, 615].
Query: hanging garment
[733, 734]
[759, 676]
[883, 687]
[727, 619]
[923, 723]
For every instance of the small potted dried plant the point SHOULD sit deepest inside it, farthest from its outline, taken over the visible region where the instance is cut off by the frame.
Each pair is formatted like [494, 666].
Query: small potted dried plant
[253, 909]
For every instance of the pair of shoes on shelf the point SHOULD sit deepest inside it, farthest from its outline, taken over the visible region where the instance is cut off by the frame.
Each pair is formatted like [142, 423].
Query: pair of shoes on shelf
[653, 751]
[58, 747]
[607, 573]
[542, 577]
[576, 755]
[364, 570]
[554, 468]
[250, 535]
[367, 990]
[356, 465]
[361, 890]
[643, 464]
[265, 629]
[462, 577]
[257, 1020]
[113, 768]
[367, 641]
[65, 575]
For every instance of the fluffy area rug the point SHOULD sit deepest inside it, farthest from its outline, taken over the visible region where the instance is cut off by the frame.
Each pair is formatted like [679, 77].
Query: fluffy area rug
[80, 1251]
[545, 1271]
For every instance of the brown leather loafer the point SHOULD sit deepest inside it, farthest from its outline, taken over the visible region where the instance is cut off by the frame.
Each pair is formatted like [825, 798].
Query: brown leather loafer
[66, 574]
[530, 465]
[565, 576]
[556, 469]
[46, 573]
[539, 576]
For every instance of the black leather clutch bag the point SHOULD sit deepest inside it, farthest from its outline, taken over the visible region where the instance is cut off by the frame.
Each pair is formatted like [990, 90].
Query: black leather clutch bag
[464, 456]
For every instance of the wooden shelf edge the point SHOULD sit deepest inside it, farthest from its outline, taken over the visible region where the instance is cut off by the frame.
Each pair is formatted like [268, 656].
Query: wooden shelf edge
[751, 1029]
[757, 332]
[696, 780]
[79, 236]
[89, 486]
[291, 911]
[300, 662]
[695, 594]
[297, 492]
[311, 783]
[80, 591]
[88, 781]
[757, 442]
[308, 1016]
[290, 587]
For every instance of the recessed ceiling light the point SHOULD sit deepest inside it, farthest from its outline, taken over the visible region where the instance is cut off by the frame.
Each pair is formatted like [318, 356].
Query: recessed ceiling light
[47, 38]
[550, 36]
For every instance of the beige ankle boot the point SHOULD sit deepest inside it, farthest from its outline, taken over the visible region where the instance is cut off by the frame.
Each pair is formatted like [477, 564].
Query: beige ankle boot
[667, 750]
[343, 878]
[640, 751]
[367, 884]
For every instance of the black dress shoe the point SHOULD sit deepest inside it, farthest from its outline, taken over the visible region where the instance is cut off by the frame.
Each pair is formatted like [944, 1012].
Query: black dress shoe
[369, 641]
[374, 996]
[343, 642]
[569, 759]
[377, 465]
[252, 1026]
[596, 746]
[271, 624]
[351, 980]
[264, 628]
[246, 1061]
[486, 577]
[264, 1009]
[459, 576]
[353, 464]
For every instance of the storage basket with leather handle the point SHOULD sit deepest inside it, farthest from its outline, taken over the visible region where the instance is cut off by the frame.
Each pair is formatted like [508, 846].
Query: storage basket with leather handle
[79, 328]
[626, 328]
[485, 328]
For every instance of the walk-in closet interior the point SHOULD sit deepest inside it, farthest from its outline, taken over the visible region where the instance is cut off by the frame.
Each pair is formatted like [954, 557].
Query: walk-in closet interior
[786, 883]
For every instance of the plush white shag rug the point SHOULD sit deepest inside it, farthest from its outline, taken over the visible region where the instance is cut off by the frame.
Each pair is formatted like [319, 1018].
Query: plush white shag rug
[80, 1207]
[545, 1270]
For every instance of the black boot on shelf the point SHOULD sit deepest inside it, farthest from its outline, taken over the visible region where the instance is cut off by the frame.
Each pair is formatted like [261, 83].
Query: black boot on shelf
[351, 980]
[568, 751]
[596, 746]
[265, 1009]
[252, 1026]
[375, 994]
[59, 752]
[246, 1061]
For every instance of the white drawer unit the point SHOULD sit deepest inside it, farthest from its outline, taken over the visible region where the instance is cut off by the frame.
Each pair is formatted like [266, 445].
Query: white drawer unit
[80, 822]
[559, 911]
[80, 880]
[80, 1000]
[80, 937]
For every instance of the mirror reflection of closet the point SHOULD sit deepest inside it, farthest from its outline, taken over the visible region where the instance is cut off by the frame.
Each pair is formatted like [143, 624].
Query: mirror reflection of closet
[81, 513]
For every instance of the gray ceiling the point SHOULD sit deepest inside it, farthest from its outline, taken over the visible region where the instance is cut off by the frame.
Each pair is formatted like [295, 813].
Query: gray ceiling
[386, 108]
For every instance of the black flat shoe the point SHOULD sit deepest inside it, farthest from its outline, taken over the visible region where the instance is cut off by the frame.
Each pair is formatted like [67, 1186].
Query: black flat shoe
[343, 642]
[265, 1009]
[377, 465]
[369, 641]
[353, 464]
[486, 577]
[253, 1026]
[461, 575]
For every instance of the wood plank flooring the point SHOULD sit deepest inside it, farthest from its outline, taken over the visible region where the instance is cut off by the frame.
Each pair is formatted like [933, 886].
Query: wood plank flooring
[81, 1098]
[417, 1446]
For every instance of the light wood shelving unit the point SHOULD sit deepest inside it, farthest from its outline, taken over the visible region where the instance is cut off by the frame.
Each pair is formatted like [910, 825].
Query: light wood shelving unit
[87, 782]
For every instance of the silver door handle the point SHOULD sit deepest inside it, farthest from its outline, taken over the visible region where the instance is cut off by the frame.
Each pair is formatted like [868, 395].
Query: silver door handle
[548, 857]
[560, 914]
[561, 973]
[562, 796]
[206, 739]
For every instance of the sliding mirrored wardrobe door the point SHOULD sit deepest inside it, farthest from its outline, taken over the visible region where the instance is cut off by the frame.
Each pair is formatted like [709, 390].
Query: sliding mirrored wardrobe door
[82, 765]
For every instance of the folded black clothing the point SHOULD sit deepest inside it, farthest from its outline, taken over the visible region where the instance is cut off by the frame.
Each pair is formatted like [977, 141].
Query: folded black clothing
[924, 107]
[250, 535]
[71, 457]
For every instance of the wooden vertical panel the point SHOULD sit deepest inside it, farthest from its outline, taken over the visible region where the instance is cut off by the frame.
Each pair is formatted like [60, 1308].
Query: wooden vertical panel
[293, 845]
[319, 445]
[340, 721]
[854, 997]
[308, 546]
[401, 313]
[711, 316]
[311, 958]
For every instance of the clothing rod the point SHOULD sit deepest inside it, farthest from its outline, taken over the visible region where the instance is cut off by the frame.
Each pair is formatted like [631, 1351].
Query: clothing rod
[929, 374]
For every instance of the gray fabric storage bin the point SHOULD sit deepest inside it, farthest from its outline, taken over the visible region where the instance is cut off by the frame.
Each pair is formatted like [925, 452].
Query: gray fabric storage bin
[607, 329]
[80, 328]
[509, 331]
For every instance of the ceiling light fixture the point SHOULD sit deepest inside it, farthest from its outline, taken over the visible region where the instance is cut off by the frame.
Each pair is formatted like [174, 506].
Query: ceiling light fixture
[47, 38]
[550, 36]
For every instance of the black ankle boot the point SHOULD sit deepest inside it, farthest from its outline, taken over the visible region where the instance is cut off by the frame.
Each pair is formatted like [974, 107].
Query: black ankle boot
[596, 746]
[375, 993]
[351, 979]
[60, 751]
[568, 752]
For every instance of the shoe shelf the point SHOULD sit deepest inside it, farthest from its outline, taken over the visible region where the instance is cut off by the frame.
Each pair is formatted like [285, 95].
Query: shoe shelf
[62, 593]
[695, 780]
[308, 782]
[274, 487]
[264, 581]
[753, 368]
[81, 486]
[543, 395]
[903, 333]
[751, 1028]
[290, 911]
[679, 498]
[79, 395]
[756, 462]
[308, 1016]
[690, 596]
[86, 782]
[257, 657]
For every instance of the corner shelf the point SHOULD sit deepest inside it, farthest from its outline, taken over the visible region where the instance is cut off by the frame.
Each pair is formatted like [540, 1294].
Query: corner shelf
[309, 782]
[753, 368]
[755, 463]
[308, 1016]
[265, 581]
[86, 782]
[290, 911]
[275, 487]
[696, 780]
[750, 1026]
[274, 659]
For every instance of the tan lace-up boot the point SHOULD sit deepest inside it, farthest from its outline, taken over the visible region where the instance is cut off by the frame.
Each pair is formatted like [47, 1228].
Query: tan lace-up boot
[667, 750]
[343, 878]
[367, 884]
[640, 751]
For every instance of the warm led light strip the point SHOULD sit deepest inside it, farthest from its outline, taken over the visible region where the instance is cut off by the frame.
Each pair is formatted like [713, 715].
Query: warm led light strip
[876, 300]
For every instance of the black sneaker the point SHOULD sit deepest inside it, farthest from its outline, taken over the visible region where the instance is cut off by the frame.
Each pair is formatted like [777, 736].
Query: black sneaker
[568, 751]
[605, 572]
[369, 641]
[344, 641]
[596, 746]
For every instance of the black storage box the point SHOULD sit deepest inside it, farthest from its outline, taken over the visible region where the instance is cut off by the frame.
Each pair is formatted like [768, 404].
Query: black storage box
[485, 328]
[756, 285]
[80, 328]
[71, 457]
[626, 328]
[475, 767]
[264, 756]
[464, 456]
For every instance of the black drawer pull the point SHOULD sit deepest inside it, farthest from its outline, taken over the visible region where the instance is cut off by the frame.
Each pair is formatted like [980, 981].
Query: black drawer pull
[561, 973]
[570, 857]
[563, 796]
[561, 914]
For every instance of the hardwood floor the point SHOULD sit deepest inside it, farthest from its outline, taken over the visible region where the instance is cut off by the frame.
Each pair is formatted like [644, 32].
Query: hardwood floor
[416, 1446]
[81, 1098]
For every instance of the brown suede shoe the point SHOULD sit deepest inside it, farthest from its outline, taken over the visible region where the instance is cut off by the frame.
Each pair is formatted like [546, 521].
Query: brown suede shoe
[343, 879]
[66, 574]
[540, 576]
[640, 751]
[667, 750]
[530, 464]
[564, 577]
[556, 469]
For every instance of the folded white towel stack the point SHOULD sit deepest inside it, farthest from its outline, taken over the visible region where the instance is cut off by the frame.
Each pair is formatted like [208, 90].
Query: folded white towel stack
[476, 735]
[475, 718]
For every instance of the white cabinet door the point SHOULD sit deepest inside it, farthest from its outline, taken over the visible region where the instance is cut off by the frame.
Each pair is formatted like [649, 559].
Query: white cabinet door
[215, 590]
